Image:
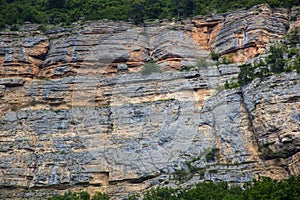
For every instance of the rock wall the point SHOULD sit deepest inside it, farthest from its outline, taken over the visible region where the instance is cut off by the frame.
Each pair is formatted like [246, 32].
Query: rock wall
[76, 114]
[244, 34]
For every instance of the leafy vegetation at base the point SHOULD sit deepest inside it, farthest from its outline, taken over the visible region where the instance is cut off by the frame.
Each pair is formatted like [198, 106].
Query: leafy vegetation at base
[263, 188]
[80, 196]
[68, 11]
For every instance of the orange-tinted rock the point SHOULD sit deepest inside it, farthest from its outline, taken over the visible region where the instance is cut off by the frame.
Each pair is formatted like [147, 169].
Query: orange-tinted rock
[77, 114]
[23, 57]
[205, 33]
[251, 30]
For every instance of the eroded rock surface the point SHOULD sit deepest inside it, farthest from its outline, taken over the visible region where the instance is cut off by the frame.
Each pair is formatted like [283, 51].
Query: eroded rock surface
[76, 114]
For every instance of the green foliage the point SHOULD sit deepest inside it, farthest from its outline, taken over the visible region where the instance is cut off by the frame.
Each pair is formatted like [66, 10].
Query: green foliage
[187, 68]
[212, 155]
[133, 197]
[281, 58]
[202, 63]
[182, 175]
[226, 59]
[292, 52]
[100, 196]
[55, 4]
[84, 195]
[246, 74]
[161, 194]
[263, 188]
[276, 59]
[296, 63]
[68, 11]
[137, 12]
[80, 196]
[42, 28]
[67, 196]
[185, 175]
[293, 37]
[14, 28]
[150, 67]
[214, 56]
[232, 83]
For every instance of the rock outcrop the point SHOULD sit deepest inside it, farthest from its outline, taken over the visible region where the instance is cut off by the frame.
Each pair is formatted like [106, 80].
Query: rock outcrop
[245, 34]
[76, 114]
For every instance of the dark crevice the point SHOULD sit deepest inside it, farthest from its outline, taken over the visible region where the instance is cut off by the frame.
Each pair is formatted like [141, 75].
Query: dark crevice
[134, 180]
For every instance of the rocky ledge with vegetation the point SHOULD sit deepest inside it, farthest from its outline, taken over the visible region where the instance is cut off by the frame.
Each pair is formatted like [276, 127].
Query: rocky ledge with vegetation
[119, 108]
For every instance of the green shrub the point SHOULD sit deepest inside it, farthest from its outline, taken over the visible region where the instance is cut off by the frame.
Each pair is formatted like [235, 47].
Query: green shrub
[276, 58]
[182, 175]
[293, 37]
[246, 74]
[84, 195]
[161, 194]
[150, 67]
[42, 28]
[133, 197]
[186, 68]
[67, 196]
[227, 59]
[100, 196]
[275, 63]
[263, 188]
[2, 25]
[212, 155]
[232, 83]
[14, 28]
[80, 196]
[214, 56]
[296, 63]
[202, 63]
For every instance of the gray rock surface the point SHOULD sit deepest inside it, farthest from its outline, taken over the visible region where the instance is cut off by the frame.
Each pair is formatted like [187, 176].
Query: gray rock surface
[75, 113]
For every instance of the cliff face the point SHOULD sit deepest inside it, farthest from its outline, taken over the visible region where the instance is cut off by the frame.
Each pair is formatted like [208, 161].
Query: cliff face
[75, 115]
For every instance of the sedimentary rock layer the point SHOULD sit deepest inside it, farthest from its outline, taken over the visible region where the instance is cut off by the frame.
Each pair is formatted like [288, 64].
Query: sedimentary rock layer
[76, 114]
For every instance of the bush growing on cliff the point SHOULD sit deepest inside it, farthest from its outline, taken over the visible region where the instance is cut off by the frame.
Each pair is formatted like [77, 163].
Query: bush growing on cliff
[281, 58]
[100, 196]
[276, 58]
[293, 37]
[150, 67]
[212, 155]
[202, 63]
[246, 74]
[84, 195]
[214, 56]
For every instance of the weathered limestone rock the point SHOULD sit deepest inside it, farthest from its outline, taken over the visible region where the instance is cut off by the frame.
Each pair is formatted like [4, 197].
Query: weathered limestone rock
[73, 115]
[98, 47]
[274, 109]
[22, 57]
[245, 34]
[107, 133]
